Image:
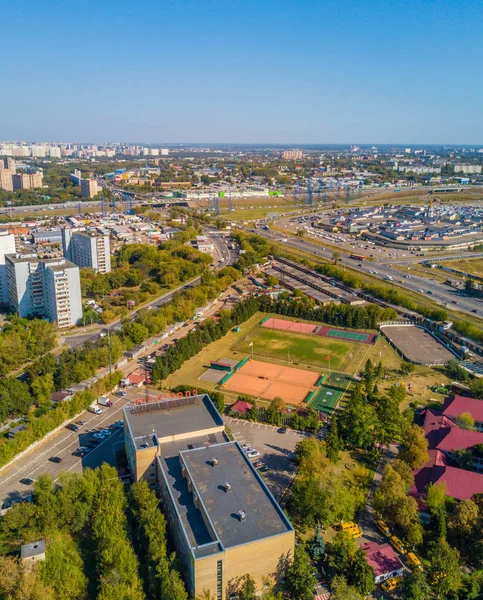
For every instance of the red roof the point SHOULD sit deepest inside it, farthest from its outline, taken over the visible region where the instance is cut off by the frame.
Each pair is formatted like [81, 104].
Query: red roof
[460, 484]
[460, 404]
[241, 407]
[381, 558]
[458, 439]
[136, 378]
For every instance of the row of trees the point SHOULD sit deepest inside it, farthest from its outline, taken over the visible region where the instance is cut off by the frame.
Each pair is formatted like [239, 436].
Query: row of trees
[37, 427]
[208, 332]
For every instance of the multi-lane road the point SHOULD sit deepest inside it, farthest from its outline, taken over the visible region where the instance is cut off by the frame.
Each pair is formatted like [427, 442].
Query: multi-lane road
[435, 290]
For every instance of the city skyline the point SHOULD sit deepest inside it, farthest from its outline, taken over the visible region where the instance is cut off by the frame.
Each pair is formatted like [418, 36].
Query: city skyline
[259, 74]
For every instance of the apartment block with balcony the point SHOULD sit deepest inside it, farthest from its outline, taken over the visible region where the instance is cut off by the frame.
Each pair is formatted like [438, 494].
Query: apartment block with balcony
[86, 249]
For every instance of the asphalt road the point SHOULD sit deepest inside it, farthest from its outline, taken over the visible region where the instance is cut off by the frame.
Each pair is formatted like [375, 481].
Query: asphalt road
[439, 292]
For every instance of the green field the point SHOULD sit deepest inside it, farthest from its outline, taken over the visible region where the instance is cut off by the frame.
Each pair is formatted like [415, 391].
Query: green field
[303, 349]
[474, 266]
[306, 351]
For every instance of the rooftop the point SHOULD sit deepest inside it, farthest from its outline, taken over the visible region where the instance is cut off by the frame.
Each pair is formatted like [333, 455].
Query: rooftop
[167, 418]
[381, 558]
[247, 492]
[33, 549]
[461, 404]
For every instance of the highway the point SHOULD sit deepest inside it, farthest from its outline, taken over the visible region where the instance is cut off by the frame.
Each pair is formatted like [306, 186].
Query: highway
[435, 290]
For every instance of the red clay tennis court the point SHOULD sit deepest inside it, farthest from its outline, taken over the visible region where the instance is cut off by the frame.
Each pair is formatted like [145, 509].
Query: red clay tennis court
[294, 326]
[267, 380]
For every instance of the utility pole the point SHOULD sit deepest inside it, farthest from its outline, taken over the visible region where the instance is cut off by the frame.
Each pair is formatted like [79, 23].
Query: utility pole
[109, 349]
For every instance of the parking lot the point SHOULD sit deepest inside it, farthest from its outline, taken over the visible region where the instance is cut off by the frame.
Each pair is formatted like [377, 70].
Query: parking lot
[276, 450]
[64, 445]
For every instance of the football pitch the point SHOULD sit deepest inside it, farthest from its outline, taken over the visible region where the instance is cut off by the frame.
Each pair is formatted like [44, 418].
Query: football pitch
[300, 348]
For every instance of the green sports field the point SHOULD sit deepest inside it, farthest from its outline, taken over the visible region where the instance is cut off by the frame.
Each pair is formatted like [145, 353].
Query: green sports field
[303, 349]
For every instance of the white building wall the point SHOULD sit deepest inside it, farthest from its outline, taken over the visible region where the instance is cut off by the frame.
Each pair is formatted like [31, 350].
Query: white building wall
[7, 246]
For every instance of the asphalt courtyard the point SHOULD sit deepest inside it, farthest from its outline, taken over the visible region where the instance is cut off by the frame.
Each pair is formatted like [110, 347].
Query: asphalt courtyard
[276, 450]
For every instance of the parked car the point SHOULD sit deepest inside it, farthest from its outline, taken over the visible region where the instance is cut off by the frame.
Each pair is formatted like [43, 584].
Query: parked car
[264, 469]
[253, 454]
[55, 459]
[282, 430]
[121, 393]
[106, 432]
[258, 464]
[72, 426]
[99, 436]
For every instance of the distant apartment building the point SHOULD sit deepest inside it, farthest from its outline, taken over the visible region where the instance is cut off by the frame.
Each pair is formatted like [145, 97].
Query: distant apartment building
[89, 188]
[292, 154]
[48, 288]
[467, 169]
[54, 152]
[27, 181]
[417, 170]
[164, 151]
[9, 164]
[6, 180]
[76, 177]
[87, 249]
[7, 246]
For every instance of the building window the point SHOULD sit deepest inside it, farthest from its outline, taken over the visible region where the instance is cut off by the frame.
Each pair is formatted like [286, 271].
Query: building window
[219, 580]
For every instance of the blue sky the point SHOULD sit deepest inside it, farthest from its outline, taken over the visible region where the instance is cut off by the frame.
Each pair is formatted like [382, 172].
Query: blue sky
[251, 71]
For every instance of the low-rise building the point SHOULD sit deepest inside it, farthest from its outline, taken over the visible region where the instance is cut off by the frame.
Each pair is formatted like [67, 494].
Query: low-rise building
[224, 521]
[384, 561]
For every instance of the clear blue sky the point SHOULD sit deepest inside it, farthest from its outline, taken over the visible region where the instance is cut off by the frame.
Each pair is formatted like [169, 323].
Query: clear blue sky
[247, 71]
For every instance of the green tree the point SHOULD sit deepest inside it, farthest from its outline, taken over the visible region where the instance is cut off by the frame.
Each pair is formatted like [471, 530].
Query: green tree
[416, 587]
[299, 581]
[63, 569]
[361, 575]
[414, 447]
[444, 569]
[333, 443]
[317, 545]
[465, 420]
[343, 591]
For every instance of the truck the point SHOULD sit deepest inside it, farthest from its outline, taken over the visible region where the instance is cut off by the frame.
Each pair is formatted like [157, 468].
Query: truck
[104, 401]
[95, 409]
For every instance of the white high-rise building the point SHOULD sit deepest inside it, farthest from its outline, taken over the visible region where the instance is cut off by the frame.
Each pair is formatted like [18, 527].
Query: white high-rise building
[54, 152]
[86, 249]
[164, 151]
[62, 292]
[7, 246]
[49, 288]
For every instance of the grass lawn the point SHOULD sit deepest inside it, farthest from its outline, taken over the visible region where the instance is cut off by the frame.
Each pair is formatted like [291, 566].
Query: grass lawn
[307, 350]
[258, 212]
[474, 266]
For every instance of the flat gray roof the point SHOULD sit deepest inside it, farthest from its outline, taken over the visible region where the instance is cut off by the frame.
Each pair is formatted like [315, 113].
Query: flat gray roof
[33, 549]
[264, 517]
[171, 417]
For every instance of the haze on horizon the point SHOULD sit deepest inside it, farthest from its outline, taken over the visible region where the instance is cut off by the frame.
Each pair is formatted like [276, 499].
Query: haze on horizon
[306, 72]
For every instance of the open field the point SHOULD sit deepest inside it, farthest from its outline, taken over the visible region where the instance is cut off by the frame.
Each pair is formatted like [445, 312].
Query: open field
[313, 350]
[474, 266]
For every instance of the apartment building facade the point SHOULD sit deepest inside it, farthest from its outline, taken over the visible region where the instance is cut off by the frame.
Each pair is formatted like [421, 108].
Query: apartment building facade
[87, 249]
[89, 188]
[49, 288]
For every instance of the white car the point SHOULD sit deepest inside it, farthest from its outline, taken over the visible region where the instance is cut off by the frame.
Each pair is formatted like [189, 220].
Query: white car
[248, 449]
[253, 454]
[99, 436]
[106, 432]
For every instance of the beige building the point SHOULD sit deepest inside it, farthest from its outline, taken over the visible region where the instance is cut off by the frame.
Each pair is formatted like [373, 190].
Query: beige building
[292, 154]
[27, 181]
[89, 188]
[224, 521]
[6, 180]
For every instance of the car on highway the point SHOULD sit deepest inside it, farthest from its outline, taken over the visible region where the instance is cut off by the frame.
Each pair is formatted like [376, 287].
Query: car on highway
[26, 481]
[55, 459]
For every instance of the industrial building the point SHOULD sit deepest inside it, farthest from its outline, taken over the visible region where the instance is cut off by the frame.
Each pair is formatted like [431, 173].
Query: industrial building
[224, 521]
[87, 249]
[49, 288]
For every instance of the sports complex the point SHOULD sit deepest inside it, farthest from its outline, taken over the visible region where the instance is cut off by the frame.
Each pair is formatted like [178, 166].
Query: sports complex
[310, 359]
